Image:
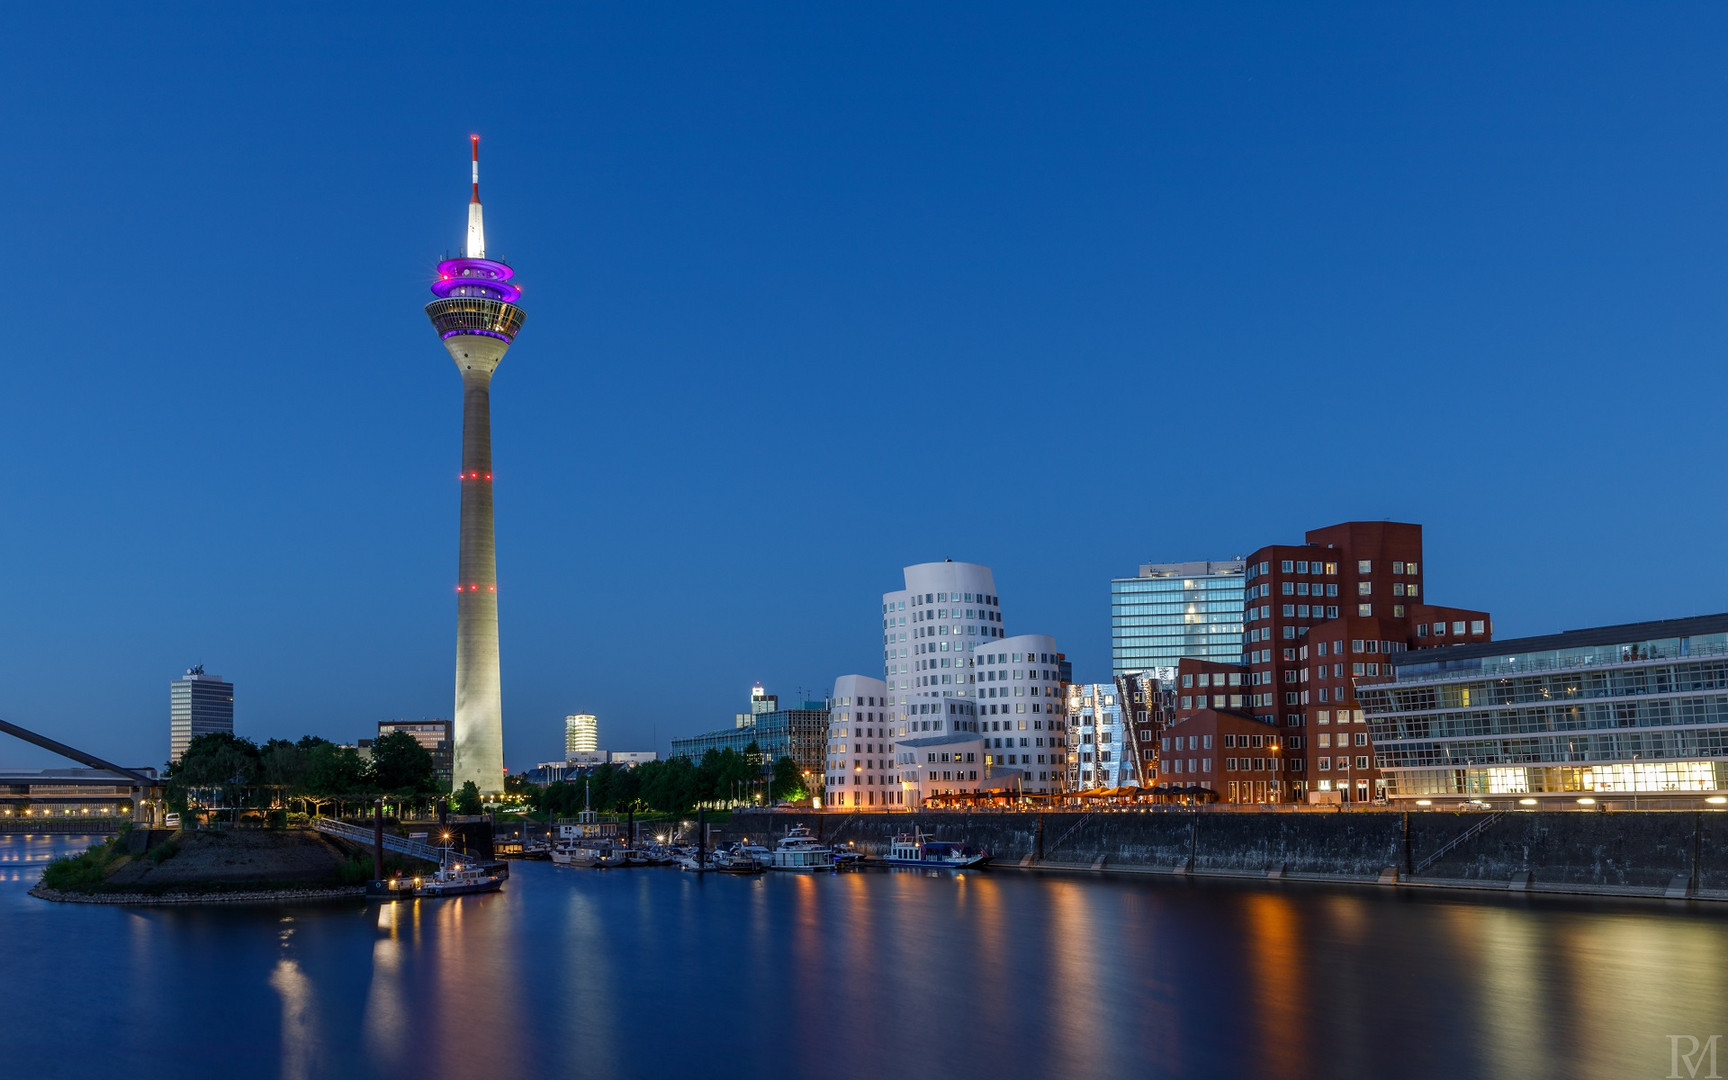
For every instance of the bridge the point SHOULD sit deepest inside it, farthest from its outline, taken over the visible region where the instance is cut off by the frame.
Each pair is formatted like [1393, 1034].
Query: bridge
[141, 789]
[401, 845]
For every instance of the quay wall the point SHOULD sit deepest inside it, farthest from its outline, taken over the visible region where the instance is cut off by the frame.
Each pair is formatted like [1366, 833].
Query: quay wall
[1632, 853]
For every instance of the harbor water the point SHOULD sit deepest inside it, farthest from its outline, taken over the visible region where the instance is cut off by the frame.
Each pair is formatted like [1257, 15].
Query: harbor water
[876, 973]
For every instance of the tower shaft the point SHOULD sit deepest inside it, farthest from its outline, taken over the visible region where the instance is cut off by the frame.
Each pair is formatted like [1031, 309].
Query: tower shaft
[479, 715]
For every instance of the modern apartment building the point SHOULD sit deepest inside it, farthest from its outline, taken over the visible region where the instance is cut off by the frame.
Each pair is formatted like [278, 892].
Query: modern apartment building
[1323, 616]
[1631, 715]
[198, 704]
[1173, 610]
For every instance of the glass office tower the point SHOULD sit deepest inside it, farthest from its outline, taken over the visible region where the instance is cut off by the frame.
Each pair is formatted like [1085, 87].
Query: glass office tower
[1176, 610]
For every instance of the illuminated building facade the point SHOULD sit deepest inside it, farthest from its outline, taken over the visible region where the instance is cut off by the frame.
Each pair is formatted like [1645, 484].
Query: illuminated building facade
[581, 735]
[1173, 610]
[477, 317]
[1608, 715]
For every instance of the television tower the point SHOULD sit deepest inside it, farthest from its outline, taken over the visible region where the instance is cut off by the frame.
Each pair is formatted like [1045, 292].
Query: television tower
[476, 315]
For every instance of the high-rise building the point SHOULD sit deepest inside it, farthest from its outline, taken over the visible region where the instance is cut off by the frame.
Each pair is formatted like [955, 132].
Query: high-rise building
[1322, 617]
[198, 704]
[1176, 610]
[581, 735]
[477, 318]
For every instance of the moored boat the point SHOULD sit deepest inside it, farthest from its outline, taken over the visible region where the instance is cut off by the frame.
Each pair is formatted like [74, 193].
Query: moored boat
[800, 850]
[918, 849]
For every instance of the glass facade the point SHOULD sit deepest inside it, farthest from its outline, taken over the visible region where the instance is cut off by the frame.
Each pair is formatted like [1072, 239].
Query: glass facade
[198, 704]
[1176, 610]
[1627, 710]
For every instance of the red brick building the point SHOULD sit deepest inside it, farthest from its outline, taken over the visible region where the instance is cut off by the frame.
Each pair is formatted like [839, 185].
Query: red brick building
[1216, 743]
[1320, 618]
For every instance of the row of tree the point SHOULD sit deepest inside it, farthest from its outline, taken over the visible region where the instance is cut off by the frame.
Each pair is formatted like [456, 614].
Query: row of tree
[675, 786]
[313, 772]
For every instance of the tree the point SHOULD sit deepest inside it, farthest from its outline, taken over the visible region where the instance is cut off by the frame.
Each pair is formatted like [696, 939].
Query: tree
[468, 799]
[217, 761]
[788, 781]
[401, 766]
[333, 773]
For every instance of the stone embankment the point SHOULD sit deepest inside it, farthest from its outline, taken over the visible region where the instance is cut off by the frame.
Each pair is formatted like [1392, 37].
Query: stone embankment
[1668, 854]
[259, 896]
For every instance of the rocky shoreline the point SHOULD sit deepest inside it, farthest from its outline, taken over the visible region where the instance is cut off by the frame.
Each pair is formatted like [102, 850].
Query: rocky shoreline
[248, 896]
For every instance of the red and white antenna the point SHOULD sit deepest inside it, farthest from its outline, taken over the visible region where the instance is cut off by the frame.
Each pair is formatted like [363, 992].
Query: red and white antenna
[475, 248]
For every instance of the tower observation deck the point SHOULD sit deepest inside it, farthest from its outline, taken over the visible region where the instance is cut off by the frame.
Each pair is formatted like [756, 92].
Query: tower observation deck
[476, 316]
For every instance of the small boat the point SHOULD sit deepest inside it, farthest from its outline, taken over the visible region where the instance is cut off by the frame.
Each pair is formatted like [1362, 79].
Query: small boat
[581, 854]
[737, 862]
[849, 860]
[800, 850]
[918, 849]
[455, 876]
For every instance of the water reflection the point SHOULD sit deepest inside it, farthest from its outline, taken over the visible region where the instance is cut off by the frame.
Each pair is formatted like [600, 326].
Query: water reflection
[656, 973]
[300, 1039]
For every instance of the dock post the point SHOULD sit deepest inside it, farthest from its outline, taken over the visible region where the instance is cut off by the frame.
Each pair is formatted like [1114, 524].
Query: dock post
[701, 839]
[378, 840]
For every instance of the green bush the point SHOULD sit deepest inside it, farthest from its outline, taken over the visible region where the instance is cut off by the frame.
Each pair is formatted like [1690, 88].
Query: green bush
[163, 851]
[356, 871]
[87, 870]
[277, 819]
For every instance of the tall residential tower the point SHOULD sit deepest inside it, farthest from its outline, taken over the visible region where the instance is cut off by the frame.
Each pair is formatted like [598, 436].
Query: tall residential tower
[477, 318]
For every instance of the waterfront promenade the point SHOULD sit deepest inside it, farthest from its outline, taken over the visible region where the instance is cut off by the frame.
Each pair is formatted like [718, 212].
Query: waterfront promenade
[1651, 854]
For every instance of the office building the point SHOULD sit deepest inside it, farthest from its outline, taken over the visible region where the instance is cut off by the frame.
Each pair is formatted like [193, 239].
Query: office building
[800, 734]
[1323, 616]
[629, 759]
[432, 734]
[1022, 712]
[859, 767]
[477, 318]
[1112, 730]
[1630, 715]
[581, 734]
[1176, 610]
[198, 704]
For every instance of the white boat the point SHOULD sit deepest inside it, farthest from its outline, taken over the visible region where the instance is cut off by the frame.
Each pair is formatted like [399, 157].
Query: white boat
[456, 876]
[581, 854]
[918, 849]
[800, 850]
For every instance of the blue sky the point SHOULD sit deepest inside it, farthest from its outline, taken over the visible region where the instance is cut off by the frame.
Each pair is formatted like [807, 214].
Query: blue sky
[814, 292]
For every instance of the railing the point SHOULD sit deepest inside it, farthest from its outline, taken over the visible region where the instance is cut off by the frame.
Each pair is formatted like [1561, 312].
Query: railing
[1456, 840]
[361, 835]
[1490, 668]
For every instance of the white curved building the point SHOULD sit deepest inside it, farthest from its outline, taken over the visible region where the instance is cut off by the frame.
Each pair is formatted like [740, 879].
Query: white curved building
[956, 685]
[1022, 714]
[859, 763]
